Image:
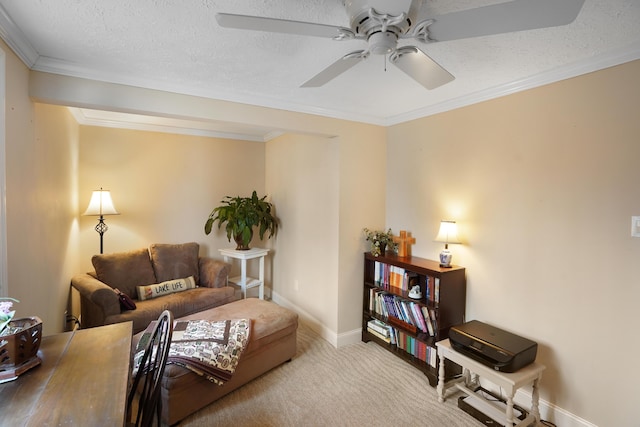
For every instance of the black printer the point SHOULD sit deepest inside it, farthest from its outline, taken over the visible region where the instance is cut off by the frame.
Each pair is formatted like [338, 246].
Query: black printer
[491, 346]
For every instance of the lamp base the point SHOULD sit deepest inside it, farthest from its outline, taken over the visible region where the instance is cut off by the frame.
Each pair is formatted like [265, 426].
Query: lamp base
[445, 258]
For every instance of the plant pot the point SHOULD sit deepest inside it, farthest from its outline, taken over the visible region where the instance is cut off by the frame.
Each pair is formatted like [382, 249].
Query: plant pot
[20, 346]
[240, 244]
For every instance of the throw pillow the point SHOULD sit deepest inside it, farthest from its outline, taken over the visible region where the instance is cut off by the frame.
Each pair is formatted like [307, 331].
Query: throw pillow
[175, 261]
[125, 270]
[165, 288]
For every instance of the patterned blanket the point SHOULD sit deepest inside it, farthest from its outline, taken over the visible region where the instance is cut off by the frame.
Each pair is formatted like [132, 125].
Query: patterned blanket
[211, 349]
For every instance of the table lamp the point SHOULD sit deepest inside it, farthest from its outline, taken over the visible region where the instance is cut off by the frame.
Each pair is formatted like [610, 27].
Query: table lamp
[448, 233]
[101, 204]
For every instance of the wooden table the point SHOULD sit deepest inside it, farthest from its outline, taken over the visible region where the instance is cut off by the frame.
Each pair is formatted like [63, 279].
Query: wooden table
[510, 383]
[82, 381]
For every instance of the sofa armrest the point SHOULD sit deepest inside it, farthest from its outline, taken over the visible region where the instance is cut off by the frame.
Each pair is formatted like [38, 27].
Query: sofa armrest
[213, 272]
[98, 300]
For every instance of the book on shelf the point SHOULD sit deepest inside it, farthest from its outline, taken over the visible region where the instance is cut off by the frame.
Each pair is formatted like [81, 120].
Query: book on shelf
[434, 319]
[379, 335]
[386, 309]
[433, 357]
[393, 335]
[417, 312]
[378, 326]
[408, 315]
[377, 303]
[427, 320]
[396, 278]
[428, 285]
[402, 315]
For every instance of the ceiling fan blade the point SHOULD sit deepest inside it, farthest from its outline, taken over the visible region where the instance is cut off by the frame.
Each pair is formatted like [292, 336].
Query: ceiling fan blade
[420, 67]
[335, 69]
[257, 23]
[507, 17]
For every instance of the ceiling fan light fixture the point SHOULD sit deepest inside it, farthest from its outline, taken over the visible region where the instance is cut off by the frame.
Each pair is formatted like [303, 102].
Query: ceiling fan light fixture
[382, 43]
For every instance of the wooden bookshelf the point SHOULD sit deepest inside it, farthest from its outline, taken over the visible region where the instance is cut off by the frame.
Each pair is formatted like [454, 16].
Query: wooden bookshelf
[386, 298]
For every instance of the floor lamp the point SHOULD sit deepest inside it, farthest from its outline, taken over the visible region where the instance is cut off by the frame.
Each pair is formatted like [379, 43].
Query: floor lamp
[101, 205]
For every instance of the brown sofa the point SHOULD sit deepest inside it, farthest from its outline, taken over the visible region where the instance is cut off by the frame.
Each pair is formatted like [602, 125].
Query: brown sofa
[100, 305]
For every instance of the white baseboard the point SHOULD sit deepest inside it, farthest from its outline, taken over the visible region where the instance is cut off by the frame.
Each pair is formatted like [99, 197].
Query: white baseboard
[550, 412]
[307, 319]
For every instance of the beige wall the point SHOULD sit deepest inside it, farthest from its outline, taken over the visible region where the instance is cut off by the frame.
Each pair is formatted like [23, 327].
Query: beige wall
[303, 176]
[363, 168]
[41, 174]
[543, 184]
[163, 185]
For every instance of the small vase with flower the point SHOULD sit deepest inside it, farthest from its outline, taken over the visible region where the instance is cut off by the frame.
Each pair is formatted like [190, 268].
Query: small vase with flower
[381, 241]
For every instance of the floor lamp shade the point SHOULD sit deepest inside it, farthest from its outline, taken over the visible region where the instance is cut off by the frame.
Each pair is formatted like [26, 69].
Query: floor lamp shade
[100, 205]
[448, 233]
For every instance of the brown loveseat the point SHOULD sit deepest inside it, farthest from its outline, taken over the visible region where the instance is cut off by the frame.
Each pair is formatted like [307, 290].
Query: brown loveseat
[100, 305]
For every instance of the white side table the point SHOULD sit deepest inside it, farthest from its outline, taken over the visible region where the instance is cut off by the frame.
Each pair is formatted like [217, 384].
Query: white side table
[510, 382]
[243, 281]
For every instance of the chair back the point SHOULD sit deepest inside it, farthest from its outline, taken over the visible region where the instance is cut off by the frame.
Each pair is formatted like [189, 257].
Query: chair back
[148, 378]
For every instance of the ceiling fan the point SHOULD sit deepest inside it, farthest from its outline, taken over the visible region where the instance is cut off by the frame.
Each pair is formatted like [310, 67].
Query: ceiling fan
[382, 23]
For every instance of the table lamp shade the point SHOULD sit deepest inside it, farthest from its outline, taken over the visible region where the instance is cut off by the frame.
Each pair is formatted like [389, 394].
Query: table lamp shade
[448, 232]
[101, 204]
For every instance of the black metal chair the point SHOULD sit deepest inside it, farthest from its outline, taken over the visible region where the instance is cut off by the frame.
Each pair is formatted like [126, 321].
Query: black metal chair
[147, 380]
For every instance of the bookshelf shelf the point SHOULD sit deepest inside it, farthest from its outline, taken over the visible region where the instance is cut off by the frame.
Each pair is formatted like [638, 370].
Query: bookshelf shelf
[410, 327]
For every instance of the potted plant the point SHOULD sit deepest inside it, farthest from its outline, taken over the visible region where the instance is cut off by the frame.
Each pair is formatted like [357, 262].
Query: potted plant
[380, 241]
[240, 215]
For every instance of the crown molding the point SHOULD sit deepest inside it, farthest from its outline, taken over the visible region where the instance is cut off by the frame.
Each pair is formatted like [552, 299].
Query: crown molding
[133, 122]
[589, 65]
[15, 39]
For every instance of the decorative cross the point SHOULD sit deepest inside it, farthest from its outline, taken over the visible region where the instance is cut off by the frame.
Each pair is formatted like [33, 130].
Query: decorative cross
[403, 241]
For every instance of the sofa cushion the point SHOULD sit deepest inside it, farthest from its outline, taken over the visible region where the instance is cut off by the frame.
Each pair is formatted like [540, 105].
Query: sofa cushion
[165, 288]
[125, 270]
[180, 304]
[175, 261]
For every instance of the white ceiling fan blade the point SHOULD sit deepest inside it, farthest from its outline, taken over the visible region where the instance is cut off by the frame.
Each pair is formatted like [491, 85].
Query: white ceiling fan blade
[335, 69]
[507, 17]
[257, 23]
[420, 67]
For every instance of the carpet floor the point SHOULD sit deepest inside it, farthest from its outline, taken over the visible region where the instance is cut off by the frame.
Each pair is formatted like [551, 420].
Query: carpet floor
[356, 385]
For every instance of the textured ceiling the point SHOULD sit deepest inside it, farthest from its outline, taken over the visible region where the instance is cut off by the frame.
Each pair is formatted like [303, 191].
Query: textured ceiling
[178, 46]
